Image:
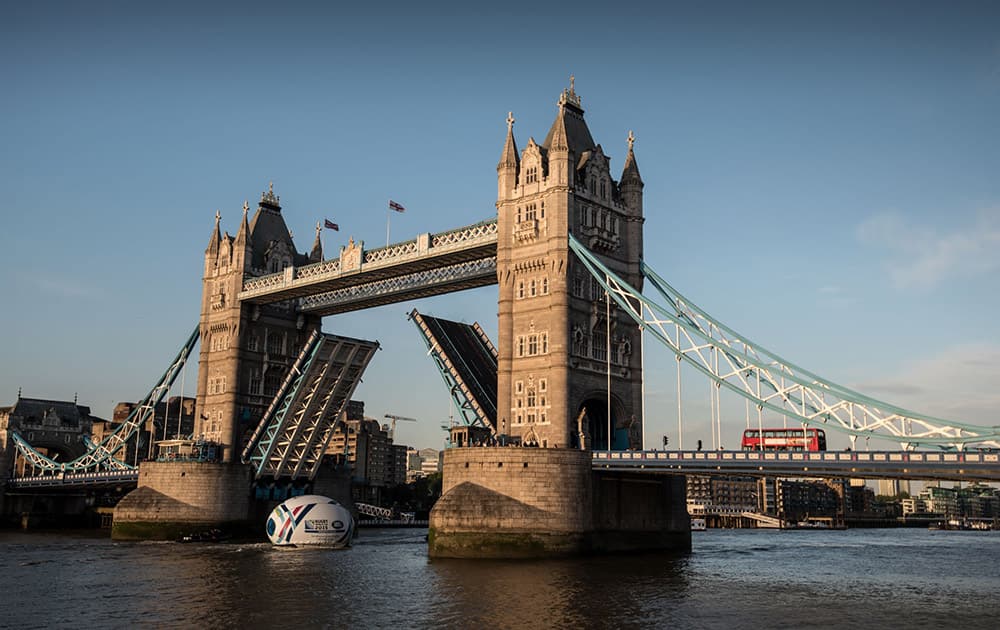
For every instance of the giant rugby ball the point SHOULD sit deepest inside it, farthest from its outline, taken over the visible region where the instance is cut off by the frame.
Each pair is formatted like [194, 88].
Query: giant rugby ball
[310, 520]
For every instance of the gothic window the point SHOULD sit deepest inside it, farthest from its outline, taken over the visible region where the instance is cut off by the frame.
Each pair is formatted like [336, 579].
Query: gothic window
[542, 417]
[593, 185]
[545, 285]
[531, 417]
[519, 387]
[544, 342]
[596, 292]
[580, 345]
[253, 343]
[531, 397]
[271, 383]
[520, 346]
[255, 384]
[529, 212]
[578, 286]
[532, 289]
[614, 225]
[532, 345]
[519, 214]
[604, 220]
[520, 290]
[604, 189]
[542, 385]
[542, 211]
[593, 217]
[600, 338]
[222, 385]
[276, 343]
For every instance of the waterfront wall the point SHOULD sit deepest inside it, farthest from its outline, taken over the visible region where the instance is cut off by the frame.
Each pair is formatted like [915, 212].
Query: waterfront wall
[533, 502]
[174, 498]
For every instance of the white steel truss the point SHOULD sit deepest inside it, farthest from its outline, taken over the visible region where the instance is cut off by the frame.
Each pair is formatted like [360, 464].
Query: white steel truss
[444, 279]
[295, 437]
[729, 360]
[102, 456]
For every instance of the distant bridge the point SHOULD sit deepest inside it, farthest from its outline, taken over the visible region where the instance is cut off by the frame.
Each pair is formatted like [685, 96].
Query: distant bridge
[949, 465]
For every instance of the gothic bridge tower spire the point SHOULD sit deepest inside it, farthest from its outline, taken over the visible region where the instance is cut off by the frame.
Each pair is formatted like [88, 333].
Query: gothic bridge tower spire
[246, 350]
[556, 342]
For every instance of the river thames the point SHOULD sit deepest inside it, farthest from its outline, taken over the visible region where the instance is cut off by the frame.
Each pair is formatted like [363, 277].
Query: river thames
[733, 579]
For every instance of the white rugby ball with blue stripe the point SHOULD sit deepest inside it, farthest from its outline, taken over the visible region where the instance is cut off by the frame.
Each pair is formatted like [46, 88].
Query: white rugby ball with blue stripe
[310, 520]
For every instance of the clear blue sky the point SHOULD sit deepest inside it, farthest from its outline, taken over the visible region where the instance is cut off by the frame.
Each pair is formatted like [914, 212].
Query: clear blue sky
[823, 177]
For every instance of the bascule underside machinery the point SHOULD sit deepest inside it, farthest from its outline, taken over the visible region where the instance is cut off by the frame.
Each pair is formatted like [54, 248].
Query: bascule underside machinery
[467, 361]
[293, 434]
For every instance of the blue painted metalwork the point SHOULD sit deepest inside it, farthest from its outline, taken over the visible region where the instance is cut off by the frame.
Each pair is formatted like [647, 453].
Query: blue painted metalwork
[451, 364]
[767, 380]
[102, 456]
[292, 437]
[262, 442]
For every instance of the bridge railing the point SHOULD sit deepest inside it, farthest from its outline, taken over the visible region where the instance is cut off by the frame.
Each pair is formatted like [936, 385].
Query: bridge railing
[971, 457]
[457, 239]
[68, 479]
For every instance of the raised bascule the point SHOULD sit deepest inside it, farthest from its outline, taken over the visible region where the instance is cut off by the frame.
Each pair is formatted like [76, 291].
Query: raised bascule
[552, 458]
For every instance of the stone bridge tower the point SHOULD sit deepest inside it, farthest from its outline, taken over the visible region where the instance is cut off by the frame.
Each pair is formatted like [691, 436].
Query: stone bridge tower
[556, 360]
[555, 350]
[246, 349]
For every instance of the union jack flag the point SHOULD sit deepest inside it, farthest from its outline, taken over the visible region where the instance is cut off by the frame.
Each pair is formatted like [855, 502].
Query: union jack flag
[331, 225]
[396, 206]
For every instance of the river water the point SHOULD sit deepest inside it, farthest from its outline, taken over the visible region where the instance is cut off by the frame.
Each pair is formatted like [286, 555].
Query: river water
[890, 578]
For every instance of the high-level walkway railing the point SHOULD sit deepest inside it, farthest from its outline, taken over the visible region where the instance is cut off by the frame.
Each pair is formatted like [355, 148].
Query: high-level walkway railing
[431, 264]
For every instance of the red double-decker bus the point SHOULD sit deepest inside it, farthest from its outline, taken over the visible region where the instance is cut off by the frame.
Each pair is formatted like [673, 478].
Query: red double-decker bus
[784, 440]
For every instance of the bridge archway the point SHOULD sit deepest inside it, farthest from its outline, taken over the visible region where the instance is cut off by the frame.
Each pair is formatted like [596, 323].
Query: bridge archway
[596, 421]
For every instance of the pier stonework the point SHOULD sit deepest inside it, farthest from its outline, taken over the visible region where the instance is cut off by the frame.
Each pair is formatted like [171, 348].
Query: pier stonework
[175, 498]
[569, 368]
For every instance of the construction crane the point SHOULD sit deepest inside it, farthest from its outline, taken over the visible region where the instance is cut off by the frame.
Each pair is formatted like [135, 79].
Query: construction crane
[392, 430]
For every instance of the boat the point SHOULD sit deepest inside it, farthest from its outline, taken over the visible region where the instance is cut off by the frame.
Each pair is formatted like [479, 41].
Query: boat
[698, 525]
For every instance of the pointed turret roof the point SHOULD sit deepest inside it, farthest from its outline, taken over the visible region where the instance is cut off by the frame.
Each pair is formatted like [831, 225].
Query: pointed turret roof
[509, 157]
[631, 170]
[244, 233]
[569, 131]
[213, 242]
[267, 227]
[316, 255]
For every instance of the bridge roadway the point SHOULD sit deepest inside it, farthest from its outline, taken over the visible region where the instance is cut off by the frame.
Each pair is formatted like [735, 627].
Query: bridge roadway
[431, 264]
[76, 480]
[927, 465]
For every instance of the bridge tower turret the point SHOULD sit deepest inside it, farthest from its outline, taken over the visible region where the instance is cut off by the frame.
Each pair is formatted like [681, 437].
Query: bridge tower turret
[557, 348]
[246, 350]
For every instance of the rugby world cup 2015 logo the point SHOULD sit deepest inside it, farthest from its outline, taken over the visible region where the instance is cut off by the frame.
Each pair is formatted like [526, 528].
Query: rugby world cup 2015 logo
[310, 520]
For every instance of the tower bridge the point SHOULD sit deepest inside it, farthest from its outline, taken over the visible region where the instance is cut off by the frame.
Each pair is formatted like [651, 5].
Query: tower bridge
[565, 250]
